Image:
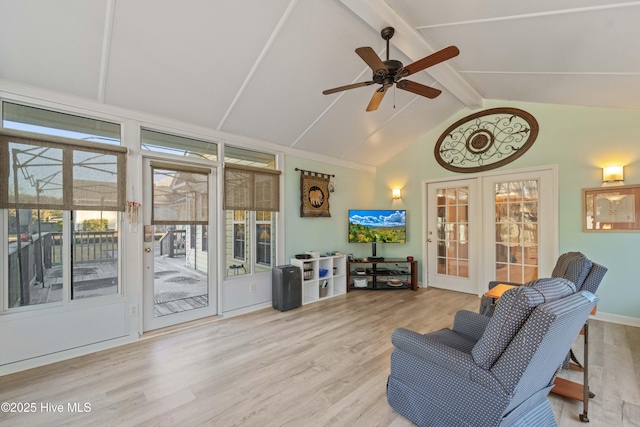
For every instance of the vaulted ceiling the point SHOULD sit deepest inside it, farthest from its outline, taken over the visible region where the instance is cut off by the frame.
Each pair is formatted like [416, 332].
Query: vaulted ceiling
[257, 68]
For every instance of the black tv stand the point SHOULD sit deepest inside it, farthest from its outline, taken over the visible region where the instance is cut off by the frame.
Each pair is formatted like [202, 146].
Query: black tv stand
[375, 258]
[376, 274]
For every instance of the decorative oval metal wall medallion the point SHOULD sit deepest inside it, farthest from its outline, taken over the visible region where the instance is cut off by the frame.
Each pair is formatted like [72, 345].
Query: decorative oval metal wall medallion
[486, 140]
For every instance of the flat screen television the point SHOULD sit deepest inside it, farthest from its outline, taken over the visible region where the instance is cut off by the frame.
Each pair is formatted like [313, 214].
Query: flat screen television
[377, 225]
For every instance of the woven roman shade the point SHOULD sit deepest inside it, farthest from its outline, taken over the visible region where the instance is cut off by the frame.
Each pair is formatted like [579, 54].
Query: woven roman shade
[180, 194]
[251, 189]
[42, 172]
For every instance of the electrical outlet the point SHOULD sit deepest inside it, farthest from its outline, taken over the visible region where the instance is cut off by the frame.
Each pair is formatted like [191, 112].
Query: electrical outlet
[133, 310]
[253, 288]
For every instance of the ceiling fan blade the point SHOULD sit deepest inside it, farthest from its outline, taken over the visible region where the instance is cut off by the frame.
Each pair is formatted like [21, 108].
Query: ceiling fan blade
[347, 87]
[418, 89]
[428, 61]
[376, 99]
[372, 59]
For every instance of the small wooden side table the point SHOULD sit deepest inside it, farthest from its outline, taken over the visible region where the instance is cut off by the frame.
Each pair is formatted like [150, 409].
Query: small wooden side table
[564, 387]
[497, 291]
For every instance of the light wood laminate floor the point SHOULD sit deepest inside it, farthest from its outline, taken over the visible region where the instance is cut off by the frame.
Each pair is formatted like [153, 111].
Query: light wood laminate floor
[323, 364]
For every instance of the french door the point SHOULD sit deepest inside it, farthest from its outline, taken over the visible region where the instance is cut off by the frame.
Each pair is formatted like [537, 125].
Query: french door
[491, 227]
[453, 232]
[520, 226]
[179, 257]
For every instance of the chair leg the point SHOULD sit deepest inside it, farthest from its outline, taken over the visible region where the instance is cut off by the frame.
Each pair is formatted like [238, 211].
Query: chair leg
[585, 382]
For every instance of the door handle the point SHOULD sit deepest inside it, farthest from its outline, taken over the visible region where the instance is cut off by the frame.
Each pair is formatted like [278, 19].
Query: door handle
[147, 249]
[429, 240]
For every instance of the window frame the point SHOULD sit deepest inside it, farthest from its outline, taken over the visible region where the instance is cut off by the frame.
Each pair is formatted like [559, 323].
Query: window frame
[70, 145]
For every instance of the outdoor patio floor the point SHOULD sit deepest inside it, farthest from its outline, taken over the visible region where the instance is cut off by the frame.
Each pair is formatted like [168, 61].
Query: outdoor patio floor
[177, 287]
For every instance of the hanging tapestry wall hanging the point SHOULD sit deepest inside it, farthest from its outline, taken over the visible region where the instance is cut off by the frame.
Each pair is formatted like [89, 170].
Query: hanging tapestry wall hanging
[486, 140]
[314, 194]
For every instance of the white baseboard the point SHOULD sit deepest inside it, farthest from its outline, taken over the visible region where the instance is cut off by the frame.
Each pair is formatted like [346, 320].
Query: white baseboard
[245, 310]
[48, 359]
[616, 318]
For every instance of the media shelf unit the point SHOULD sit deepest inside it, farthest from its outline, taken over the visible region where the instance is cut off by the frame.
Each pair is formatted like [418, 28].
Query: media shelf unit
[336, 283]
[377, 273]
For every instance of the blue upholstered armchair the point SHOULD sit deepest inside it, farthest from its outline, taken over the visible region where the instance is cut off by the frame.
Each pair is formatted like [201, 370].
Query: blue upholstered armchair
[574, 266]
[490, 371]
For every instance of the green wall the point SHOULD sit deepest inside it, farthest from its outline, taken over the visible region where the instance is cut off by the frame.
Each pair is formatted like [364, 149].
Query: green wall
[353, 189]
[580, 140]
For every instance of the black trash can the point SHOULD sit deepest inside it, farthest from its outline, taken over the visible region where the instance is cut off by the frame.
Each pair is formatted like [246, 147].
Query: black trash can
[286, 286]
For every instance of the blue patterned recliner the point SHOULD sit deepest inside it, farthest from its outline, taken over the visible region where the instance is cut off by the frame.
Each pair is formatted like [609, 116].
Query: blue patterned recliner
[490, 371]
[573, 266]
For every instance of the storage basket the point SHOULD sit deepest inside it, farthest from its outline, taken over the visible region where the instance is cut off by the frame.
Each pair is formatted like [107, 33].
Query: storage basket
[308, 274]
[360, 283]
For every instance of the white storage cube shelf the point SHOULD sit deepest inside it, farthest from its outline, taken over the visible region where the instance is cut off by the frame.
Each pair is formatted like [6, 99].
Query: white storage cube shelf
[336, 282]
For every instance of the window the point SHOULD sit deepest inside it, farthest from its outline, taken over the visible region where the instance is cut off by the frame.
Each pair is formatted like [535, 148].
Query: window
[46, 122]
[94, 254]
[192, 236]
[205, 238]
[53, 187]
[251, 188]
[178, 145]
[239, 235]
[263, 236]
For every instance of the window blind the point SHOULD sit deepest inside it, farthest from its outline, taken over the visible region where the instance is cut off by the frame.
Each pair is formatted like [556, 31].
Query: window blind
[42, 172]
[180, 194]
[252, 189]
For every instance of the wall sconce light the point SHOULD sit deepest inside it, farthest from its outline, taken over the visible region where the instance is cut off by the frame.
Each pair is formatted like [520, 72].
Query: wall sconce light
[613, 174]
[396, 194]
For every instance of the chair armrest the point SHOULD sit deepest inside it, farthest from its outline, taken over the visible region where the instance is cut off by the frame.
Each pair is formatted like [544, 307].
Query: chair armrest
[456, 363]
[436, 352]
[470, 324]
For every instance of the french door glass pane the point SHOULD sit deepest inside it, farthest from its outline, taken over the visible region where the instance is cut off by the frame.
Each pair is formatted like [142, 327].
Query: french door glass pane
[452, 231]
[180, 272]
[516, 231]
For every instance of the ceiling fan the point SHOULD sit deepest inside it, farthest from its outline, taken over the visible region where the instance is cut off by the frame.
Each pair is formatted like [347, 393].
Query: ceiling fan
[388, 72]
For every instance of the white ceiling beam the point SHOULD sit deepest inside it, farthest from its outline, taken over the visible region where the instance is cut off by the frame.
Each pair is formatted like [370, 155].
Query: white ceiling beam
[106, 49]
[256, 65]
[530, 15]
[378, 14]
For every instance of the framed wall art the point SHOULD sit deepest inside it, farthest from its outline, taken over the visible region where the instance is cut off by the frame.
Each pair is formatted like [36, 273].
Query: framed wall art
[611, 209]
